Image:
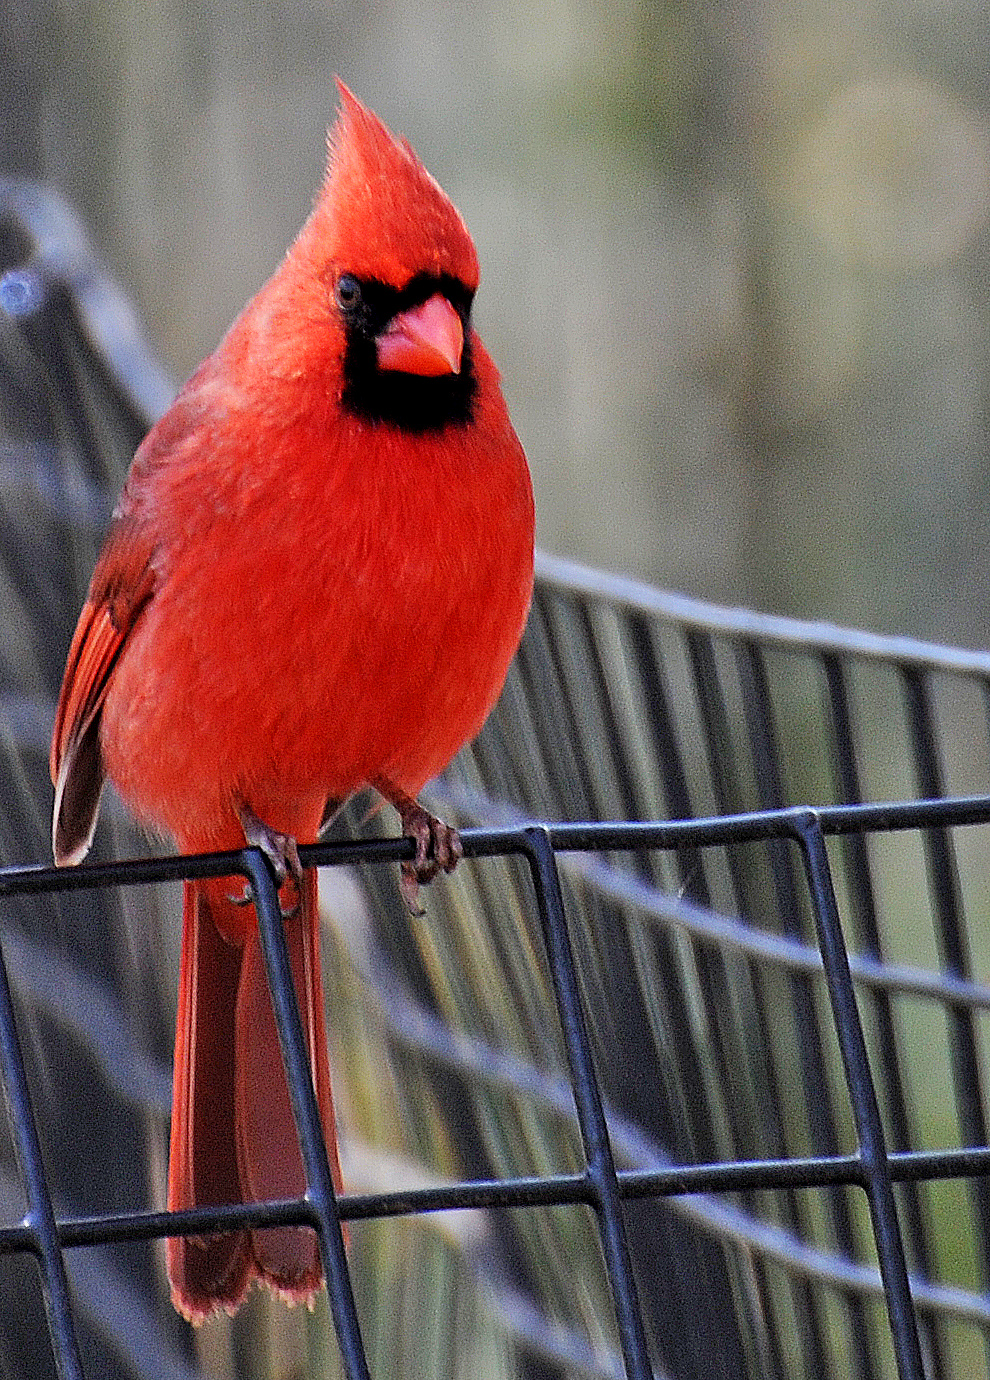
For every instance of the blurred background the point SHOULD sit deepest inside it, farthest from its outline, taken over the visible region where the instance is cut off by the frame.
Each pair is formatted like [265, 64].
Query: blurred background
[733, 256]
[733, 272]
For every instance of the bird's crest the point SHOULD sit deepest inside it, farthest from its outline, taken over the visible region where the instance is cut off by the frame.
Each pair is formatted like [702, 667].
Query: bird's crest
[379, 213]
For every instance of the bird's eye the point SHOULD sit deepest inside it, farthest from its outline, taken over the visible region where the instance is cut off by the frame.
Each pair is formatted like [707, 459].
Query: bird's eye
[347, 292]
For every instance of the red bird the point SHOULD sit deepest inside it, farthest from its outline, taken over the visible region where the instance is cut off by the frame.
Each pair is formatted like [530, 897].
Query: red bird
[314, 581]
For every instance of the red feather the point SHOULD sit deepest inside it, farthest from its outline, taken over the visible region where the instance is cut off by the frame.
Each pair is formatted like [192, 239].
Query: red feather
[298, 597]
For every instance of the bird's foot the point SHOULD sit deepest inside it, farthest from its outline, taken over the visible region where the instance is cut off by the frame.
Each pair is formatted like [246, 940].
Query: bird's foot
[282, 853]
[438, 845]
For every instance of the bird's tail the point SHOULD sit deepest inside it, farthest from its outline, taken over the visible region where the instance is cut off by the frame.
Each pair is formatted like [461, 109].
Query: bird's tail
[233, 1135]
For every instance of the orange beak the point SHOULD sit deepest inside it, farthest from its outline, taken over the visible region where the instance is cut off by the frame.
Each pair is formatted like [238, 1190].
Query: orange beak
[427, 340]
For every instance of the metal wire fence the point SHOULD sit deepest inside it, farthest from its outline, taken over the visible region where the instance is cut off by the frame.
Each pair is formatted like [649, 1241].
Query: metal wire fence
[717, 1083]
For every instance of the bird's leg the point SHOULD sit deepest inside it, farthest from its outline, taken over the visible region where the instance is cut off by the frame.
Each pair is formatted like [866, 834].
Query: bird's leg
[438, 845]
[281, 851]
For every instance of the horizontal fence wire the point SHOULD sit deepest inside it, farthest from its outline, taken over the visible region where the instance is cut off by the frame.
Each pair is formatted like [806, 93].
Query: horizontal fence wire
[600, 1185]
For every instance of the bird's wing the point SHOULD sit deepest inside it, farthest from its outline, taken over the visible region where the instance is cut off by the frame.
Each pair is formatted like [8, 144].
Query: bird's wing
[122, 584]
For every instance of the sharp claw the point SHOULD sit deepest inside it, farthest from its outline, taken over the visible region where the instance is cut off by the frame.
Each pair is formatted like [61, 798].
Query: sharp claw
[409, 884]
[282, 852]
[438, 845]
[246, 898]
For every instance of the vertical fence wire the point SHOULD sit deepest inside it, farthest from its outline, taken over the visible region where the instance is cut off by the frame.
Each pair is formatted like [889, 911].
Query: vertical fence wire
[320, 1193]
[859, 1082]
[39, 1221]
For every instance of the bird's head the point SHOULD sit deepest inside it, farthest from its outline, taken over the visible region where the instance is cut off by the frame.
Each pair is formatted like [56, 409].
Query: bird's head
[393, 266]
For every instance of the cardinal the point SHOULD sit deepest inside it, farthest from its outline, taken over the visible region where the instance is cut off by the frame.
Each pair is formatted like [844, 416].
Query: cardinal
[314, 581]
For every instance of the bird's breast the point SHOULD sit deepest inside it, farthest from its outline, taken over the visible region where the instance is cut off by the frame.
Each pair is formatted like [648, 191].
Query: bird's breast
[335, 612]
